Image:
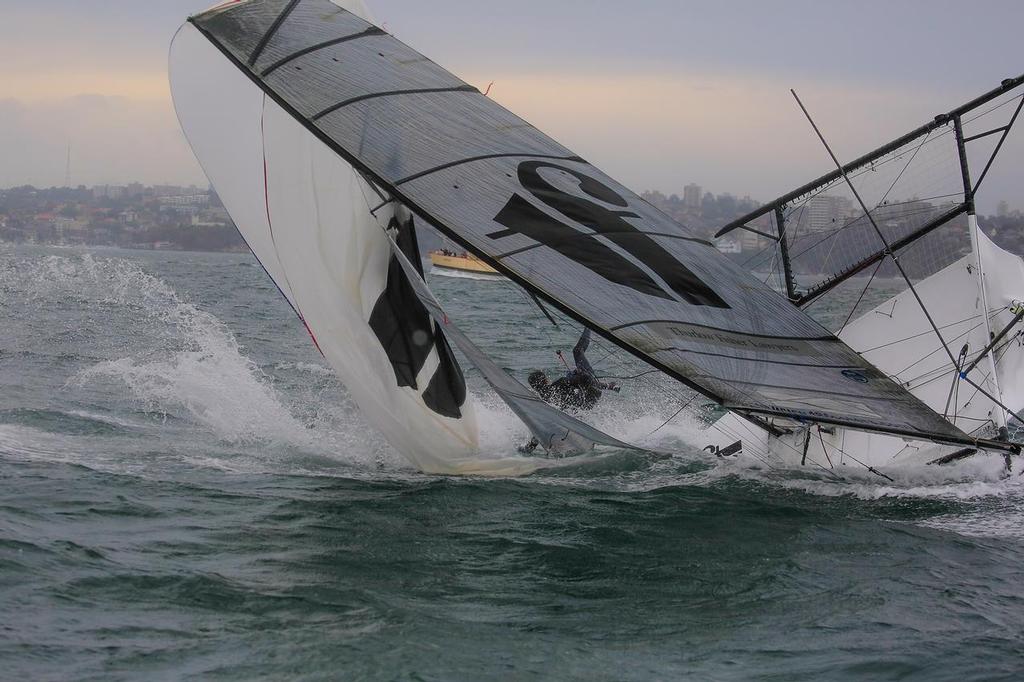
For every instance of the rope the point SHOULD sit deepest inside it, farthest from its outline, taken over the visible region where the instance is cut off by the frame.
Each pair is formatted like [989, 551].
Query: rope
[861, 298]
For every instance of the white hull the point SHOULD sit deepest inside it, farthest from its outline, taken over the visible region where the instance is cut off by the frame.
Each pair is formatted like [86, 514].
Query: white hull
[897, 338]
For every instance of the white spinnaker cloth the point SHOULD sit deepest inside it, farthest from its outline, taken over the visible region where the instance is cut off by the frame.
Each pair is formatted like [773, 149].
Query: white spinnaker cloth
[898, 339]
[1004, 280]
[303, 212]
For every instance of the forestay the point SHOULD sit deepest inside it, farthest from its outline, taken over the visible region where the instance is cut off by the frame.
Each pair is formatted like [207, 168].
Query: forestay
[552, 222]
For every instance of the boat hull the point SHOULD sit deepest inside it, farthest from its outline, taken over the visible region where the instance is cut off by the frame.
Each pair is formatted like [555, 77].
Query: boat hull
[461, 264]
[898, 339]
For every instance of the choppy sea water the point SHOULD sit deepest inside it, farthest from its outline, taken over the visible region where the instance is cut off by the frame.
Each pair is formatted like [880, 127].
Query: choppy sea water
[186, 492]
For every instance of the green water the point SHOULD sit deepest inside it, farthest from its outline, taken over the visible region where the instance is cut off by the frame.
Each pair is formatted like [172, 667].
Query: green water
[187, 493]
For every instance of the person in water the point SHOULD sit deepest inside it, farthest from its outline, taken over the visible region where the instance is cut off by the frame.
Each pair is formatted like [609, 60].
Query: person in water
[577, 391]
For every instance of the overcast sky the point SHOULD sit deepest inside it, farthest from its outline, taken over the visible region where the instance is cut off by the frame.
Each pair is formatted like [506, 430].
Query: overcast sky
[659, 93]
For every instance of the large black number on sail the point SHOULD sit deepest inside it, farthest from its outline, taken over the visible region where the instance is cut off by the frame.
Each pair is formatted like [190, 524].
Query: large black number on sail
[522, 217]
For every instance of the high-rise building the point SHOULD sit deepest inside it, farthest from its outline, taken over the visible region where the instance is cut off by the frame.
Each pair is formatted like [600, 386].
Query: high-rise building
[825, 212]
[692, 195]
[1002, 209]
[108, 191]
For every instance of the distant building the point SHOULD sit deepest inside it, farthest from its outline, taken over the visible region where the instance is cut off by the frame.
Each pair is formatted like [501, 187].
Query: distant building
[108, 192]
[186, 204]
[825, 212]
[750, 241]
[1003, 209]
[173, 190]
[729, 245]
[692, 196]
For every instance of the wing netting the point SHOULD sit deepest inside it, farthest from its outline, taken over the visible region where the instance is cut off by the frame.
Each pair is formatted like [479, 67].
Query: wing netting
[829, 233]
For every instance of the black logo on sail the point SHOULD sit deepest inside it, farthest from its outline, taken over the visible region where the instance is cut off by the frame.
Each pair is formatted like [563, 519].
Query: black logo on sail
[522, 217]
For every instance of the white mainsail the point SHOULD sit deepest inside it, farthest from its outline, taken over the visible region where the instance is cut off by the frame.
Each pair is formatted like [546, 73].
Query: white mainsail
[303, 211]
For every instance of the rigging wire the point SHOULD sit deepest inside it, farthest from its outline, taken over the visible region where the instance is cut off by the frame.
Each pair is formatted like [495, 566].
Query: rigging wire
[994, 108]
[926, 333]
[895, 259]
[941, 371]
[881, 201]
[861, 298]
[834, 233]
[857, 461]
[888, 248]
[944, 366]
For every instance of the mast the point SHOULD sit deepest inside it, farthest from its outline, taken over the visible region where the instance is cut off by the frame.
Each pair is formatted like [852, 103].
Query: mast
[999, 417]
[972, 228]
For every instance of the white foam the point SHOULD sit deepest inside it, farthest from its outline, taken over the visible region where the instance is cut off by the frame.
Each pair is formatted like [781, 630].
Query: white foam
[107, 419]
[305, 368]
[180, 361]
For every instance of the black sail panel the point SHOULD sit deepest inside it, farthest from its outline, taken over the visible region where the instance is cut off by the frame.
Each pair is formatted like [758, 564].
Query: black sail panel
[553, 222]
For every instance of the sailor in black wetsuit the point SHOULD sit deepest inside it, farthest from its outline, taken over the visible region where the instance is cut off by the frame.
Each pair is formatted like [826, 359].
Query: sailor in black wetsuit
[578, 390]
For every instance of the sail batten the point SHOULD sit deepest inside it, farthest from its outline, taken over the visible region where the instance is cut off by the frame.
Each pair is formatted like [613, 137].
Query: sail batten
[372, 31]
[292, 4]
[559, 227]
[485, 157]
[391, 93]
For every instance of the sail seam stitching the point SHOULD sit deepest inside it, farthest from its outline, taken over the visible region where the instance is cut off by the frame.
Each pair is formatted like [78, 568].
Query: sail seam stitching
[484, 157]
[591, 235]
[391, 93]
[673, 349]
[829, 339]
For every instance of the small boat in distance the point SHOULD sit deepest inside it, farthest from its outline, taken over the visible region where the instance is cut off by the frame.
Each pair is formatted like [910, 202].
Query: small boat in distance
[446, 259]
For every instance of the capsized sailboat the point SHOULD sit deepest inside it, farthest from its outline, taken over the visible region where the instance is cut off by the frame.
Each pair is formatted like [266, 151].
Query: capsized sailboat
[327, 138]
